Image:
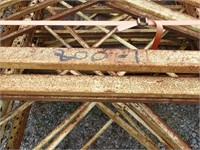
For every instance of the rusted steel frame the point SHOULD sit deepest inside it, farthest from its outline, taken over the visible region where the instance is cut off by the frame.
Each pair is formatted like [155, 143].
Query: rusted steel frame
[158, 87]
[20, 120]
[6, 106]
[94, 9]
[60, 39]
[122, 25]
[61, 126]
[16, 7]
[131, 10]
[100, 59]
[101, 99]
[165, 32]
[70, 126]
[17, 130]
[195, 12]
[84, 44]
[158, 125]
[125, 108]
[105, 10]
[111, 41]
[97, 44]
[145, 41]
[13, 113]
[130, 120]
[94, 138]
[19, 123]
[171, 74]
[65, 44]
[191, 10]
[6, 3]
[71, 31]
[76, 9]
[10, 29]
[195, 3]
[141, 121]
[88, 33]
[166, 14]
[31, 9]
[125, 43]
[148, 143]
[58, 16]
[130, 33]
[128, 45]
[91, 17]
[113, 18]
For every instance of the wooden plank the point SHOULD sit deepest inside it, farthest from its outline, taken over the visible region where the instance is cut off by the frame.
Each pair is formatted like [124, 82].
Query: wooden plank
[100, 59]
[95, 86]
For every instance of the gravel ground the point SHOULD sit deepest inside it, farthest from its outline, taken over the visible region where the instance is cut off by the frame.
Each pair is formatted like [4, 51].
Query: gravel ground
[183, 119]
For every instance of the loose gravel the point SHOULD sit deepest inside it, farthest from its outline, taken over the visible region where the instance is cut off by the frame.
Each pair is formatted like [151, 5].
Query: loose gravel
[183, 119]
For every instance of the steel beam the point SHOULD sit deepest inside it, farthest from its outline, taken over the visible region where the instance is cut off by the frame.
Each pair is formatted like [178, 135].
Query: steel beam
[151, 10]
[31, 9]
[100, 59]
[101, 99]
[195, 3]
[95, 86]
[58, 16]
[6, 3]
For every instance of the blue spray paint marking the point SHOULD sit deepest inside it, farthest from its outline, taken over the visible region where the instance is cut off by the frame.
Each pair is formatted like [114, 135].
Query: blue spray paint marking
[63, 57]
[122, 56]
[137, 56]
[60, 53]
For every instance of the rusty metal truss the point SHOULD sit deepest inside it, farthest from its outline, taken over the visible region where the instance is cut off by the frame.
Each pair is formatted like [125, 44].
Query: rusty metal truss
[103, 68]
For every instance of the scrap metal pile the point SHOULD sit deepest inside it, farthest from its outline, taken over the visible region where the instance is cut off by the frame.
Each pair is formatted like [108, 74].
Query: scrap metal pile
[97, 63]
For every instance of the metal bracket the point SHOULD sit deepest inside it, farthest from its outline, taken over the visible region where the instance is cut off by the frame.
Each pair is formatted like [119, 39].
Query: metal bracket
[142, 22]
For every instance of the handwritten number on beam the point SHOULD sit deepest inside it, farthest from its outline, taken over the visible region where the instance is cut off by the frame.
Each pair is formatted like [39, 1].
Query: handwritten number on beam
[63, 57]
[99, 56]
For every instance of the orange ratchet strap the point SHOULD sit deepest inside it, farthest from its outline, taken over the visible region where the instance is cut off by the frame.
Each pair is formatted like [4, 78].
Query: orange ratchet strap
[159, 32]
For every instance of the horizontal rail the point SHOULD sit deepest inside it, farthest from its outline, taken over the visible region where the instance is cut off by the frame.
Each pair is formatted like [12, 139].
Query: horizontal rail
[100, 23]
[100, 99]
[100, 59]
[95, 86]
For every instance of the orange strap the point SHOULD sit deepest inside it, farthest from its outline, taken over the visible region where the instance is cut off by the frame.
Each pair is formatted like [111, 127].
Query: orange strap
[158, 35]
[145, 22]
